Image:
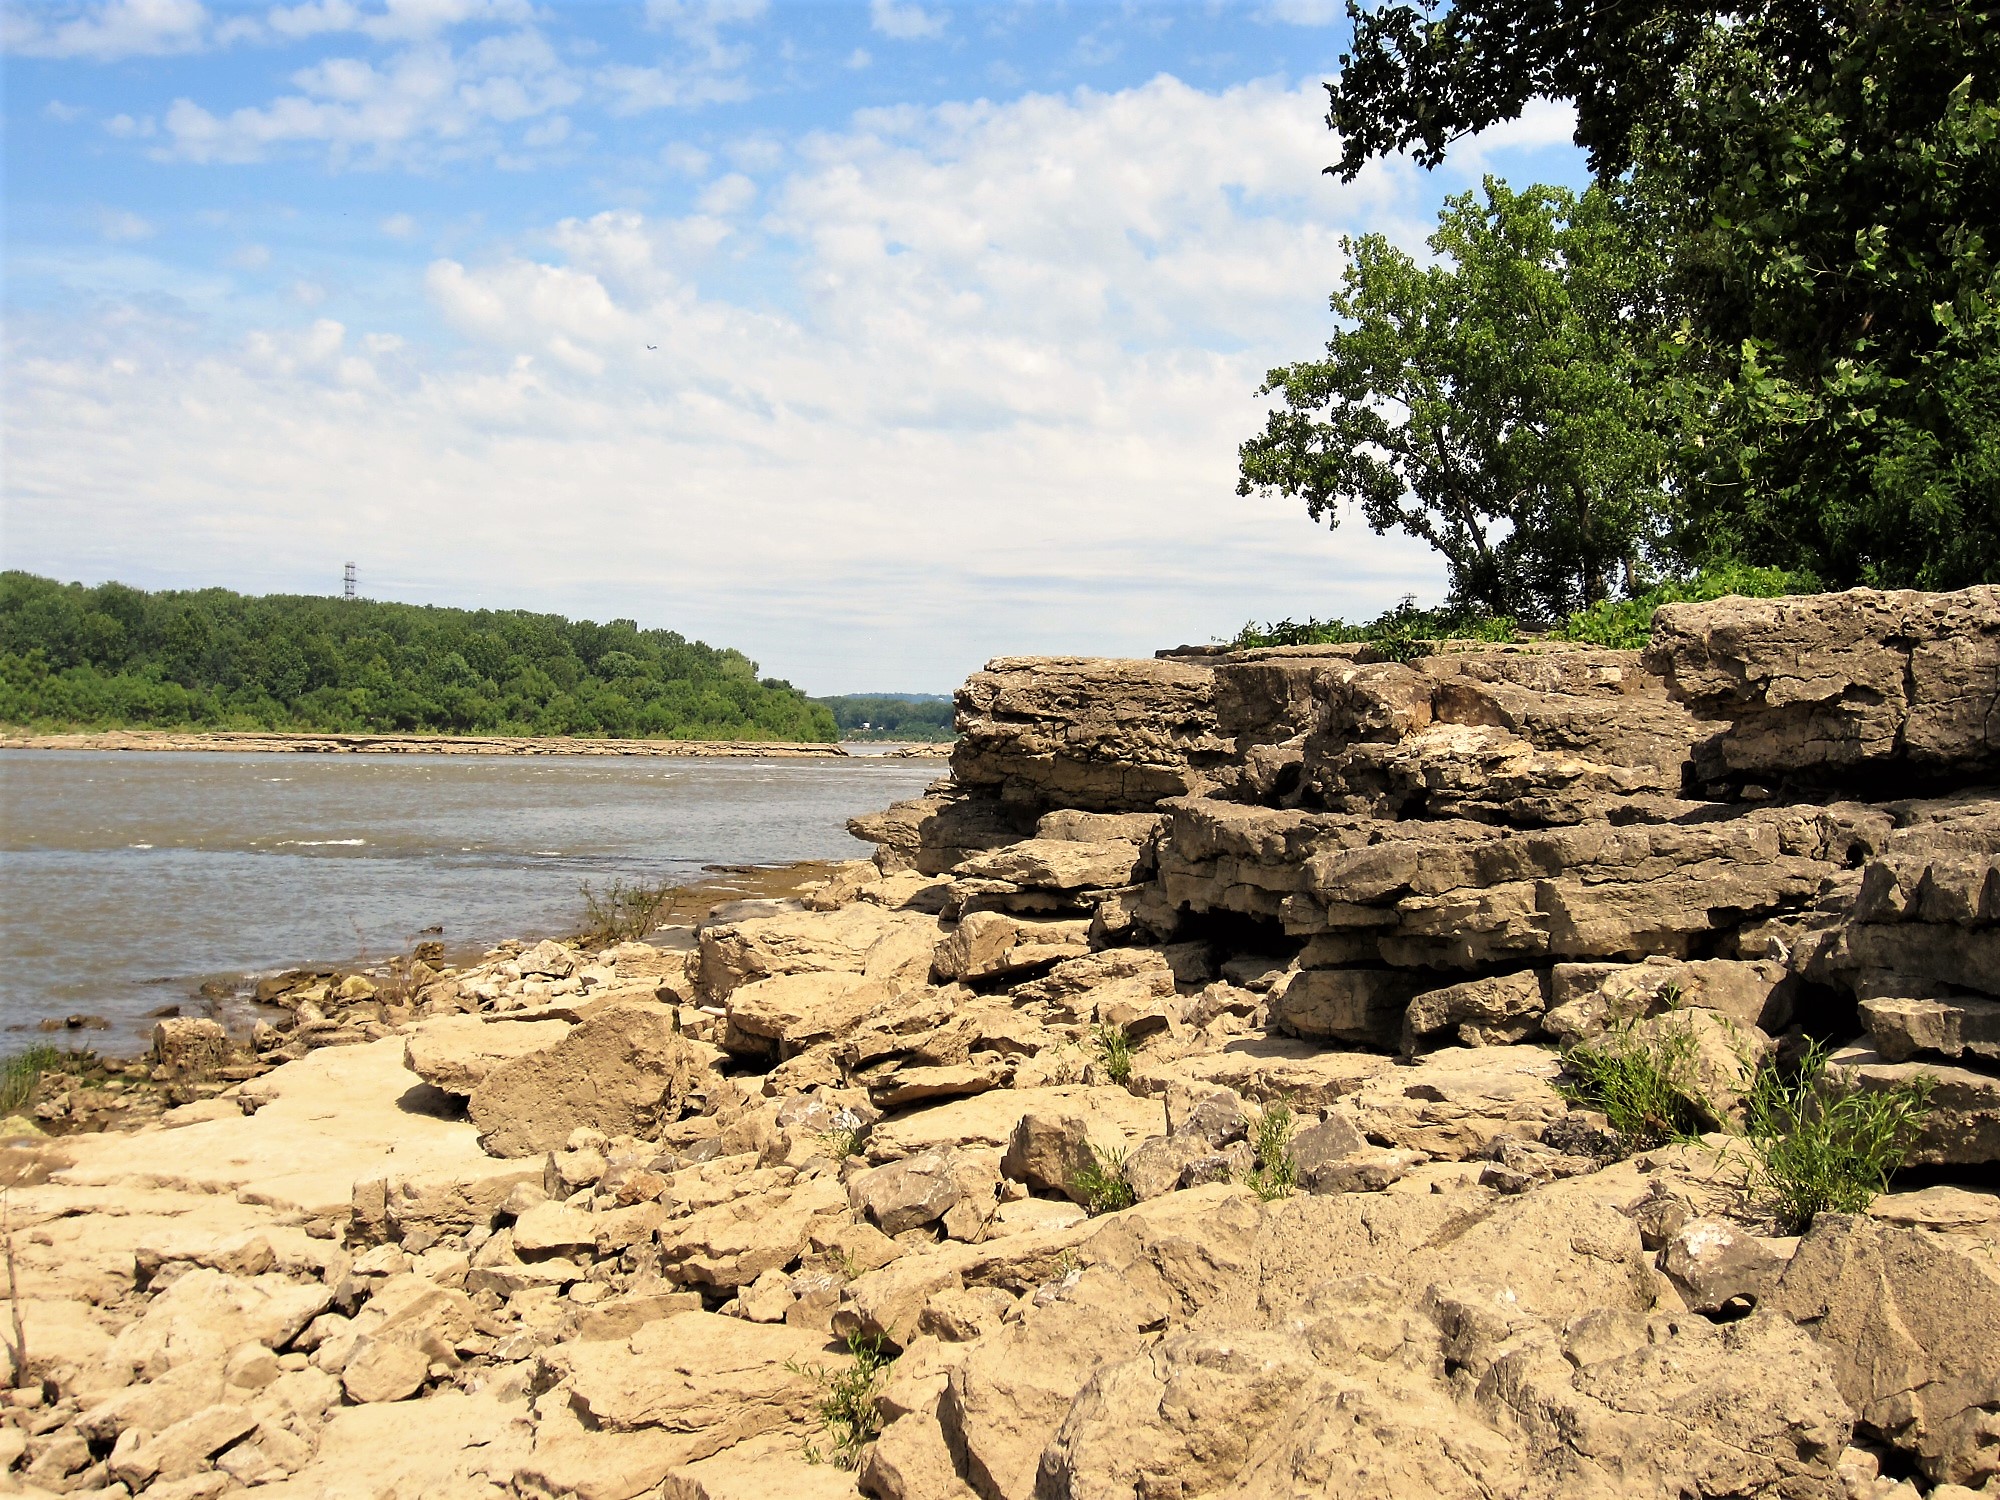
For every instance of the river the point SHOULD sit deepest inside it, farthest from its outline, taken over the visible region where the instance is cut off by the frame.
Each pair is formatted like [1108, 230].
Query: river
[131, 878]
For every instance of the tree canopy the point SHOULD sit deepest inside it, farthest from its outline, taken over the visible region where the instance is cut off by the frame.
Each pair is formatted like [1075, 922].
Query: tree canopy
[1493, 404]
[1816, 187]
[72, 656]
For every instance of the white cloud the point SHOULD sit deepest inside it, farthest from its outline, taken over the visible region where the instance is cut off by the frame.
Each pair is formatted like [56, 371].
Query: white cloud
[430, 100]
[106, 31]
[859, 58]
[121, 224]
[689, 161]
[728, 195]
[250, 258]
[906, 22]
[1542, 123]
[1306, 12]
[67, 114]
[398, 226]
[985, 397]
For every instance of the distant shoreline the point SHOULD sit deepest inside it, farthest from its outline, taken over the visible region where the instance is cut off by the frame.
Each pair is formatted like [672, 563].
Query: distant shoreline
[276, 742]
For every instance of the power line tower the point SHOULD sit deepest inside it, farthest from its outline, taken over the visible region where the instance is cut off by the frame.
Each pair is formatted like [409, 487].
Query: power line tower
[347, 583]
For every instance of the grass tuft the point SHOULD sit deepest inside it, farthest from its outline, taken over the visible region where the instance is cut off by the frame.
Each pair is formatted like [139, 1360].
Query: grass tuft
[1823, 1143]
[1644, 1086]
[1101, 1183]
[21, 1075]
[846, 1407]
[1114, 1048]
[1276, 1174]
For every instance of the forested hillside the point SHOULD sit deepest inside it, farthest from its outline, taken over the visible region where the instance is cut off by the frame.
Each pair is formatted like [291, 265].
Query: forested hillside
[891, 716]
[114, 656]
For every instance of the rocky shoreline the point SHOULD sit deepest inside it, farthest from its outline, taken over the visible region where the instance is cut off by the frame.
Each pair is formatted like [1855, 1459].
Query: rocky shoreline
[276, 743]
[1184, 1101]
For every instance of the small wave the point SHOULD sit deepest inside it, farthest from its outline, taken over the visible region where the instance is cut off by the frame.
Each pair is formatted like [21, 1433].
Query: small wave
[316, 843]
[138, 846]
[555, 853]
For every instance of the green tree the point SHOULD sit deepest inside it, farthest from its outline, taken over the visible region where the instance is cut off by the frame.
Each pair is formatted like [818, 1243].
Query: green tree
[1498, 404]
[1822, 181]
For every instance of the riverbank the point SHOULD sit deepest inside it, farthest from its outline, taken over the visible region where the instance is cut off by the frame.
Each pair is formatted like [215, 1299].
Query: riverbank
[1279, 1074]
[273, 742]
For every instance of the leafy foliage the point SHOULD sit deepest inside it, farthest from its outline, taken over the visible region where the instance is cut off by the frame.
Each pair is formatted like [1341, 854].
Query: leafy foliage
[1627, 624]
[1100, 1183]
[1114, 1050]
[624, 913]
[1824, 1143]
[1276, 1174]
[1401, 634]
[116, 656]
[1644, 1085]
[891, 716]
[1816, 185]
[1495, 404]
[846, 1407]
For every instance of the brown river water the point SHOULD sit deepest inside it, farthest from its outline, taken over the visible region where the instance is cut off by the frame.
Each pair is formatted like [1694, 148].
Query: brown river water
[128, 879]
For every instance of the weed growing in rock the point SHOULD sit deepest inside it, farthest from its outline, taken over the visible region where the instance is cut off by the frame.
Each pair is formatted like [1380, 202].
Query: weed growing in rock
[846, 1407]
[624, 914]
[1645, 1086]
[1276, 1174]
[843, 1141]
[21, 1074]
[1825, 1144]
[1115, 1050]
[1101, 1184]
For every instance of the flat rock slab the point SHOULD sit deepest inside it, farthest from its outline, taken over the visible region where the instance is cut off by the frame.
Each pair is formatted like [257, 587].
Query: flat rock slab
[447, 1447]
[700, 1372]
[333, 1117]
[1268, 1067]
[455, 1053]
[988, 1120]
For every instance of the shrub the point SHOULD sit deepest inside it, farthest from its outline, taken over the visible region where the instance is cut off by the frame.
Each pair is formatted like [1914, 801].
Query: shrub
[846, 1407]
[1114, 1048]
[1101, 1183]
[1627, 624]
[1276, 1174]
[625, 913]
[1645, 1086]
[1401, 634]
[1825, 1144]
[21, 1075]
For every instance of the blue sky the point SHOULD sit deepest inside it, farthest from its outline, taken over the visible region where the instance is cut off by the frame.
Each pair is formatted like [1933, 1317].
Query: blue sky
[874, 338]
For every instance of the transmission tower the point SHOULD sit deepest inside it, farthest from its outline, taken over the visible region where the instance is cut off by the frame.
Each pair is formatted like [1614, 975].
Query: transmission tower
[347, 582]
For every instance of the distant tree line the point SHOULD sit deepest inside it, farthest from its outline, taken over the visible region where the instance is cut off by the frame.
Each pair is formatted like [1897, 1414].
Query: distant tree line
[114, 656]
[891, 716]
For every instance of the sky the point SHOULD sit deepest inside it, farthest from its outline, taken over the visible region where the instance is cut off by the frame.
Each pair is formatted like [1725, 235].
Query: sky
[875, 338]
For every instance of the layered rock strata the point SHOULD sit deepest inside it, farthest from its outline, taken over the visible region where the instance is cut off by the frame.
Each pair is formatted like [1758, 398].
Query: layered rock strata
[999, 1106]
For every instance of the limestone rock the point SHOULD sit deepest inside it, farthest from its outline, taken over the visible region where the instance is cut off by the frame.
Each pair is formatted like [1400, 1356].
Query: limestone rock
[1498, 1009]
[1832, 684]
[906, 1194]
[1458, 1101]
[1058, 864]
[990, 943]
[790, 1012]
[865, 939]
[1346, 1005]
[1048, 1152]
[1712, 1263]
[1958, 1026]
[190, 1048]
[1962, 1125]
[1909, 1321]
[456, 1053]
[625, 1071]
[724, 1379]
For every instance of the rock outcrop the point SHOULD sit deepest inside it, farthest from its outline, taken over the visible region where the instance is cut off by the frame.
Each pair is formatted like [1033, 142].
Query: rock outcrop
[1176, 1105]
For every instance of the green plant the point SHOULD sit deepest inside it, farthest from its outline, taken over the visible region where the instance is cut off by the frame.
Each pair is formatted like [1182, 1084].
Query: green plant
[1101, 1183]
[1644, 1085]
[846, 1407]
[626, 913]
[1114, 1048]
[1824, 1143]
[21, 1074]
[1402, 633]
[1276, 1174]
[1627, 624]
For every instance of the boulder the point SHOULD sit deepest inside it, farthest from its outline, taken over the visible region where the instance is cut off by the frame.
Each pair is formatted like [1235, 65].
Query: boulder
[1455, 1103]
[625, 1071]
[721, 1379]
[1961, 1126]
[1496, 1010]
[987, 944]
[1909, 1321]
[1059, 864]
[1363, 1006]
[1086, 733]
[1958, 1026]
[906, 1194]
[790, 1012]
[189, 1048]
[731, 1243]
[456, 1053]
[1048, 1152]
[865, 939]
[1712, 1263]
[1832, 685]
